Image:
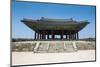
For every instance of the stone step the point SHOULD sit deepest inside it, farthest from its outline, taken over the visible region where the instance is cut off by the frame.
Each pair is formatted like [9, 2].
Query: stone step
[68, 47]
[43, 47]
[36, 47]
[56, 47]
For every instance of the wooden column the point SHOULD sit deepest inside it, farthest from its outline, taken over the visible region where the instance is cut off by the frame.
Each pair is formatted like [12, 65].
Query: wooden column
[73, 36]
[43, 34]
[52, 33]
[47, 36]
[40, 35]
[69, 35]
[35, 35]
[77, 36]
[66, 36]
[62, 33]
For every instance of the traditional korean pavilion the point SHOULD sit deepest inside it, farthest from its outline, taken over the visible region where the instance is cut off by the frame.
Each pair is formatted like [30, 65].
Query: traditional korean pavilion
[45, 27]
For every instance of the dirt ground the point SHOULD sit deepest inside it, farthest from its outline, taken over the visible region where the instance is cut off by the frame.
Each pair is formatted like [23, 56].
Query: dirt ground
[24, 58]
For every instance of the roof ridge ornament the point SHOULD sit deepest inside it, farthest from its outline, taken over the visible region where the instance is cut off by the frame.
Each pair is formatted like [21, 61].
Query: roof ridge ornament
[42, 18]
[71, 19]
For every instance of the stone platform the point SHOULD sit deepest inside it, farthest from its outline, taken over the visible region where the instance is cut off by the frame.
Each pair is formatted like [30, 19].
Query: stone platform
[52, 46]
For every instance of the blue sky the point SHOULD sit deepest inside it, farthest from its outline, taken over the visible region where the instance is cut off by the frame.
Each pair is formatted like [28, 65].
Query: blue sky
[33, 10]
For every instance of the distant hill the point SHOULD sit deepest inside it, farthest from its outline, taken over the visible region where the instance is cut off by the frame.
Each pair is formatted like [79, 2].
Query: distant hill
[21, 39]
[88, 39]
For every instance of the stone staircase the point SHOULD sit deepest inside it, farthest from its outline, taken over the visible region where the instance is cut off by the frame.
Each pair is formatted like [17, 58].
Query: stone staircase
[43, 47]
[52, 47]
[56, 47]
[70, 47]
